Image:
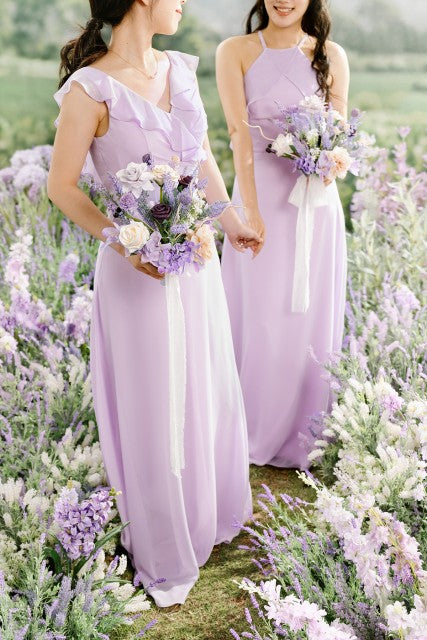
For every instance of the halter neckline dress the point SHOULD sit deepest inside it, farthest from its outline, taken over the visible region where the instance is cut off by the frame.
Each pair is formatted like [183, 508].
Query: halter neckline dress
[280, 353]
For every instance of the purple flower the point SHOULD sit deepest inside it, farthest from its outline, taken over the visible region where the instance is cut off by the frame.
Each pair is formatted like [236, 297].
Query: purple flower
[306, 164]
[180, 228]
[67, 268]
[324, 165]
[30, 176]
[174, 258]
[128, 202]
[148, 159]
[7, 174]
[79, 523]
[161, 212]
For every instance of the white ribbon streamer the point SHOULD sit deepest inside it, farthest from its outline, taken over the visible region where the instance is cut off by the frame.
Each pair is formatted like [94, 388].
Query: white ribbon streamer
[177, 372]
[309, 192]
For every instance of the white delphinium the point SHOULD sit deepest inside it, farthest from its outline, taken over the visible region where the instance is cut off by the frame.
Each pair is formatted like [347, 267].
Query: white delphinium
[10, 491]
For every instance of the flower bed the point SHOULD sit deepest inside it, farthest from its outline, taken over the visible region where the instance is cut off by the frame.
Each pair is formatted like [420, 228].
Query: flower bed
[350, 565]
[60, 576]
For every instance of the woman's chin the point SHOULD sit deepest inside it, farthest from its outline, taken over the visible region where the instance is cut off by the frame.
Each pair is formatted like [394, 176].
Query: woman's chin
[169, 30]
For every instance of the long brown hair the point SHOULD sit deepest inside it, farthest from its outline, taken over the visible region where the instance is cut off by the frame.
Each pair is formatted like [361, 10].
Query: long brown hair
[89, 46]
[316, 22]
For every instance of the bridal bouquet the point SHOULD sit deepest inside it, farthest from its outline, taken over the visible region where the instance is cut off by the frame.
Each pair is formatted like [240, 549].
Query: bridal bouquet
[323, 146]
[319, 140]
[162, 216]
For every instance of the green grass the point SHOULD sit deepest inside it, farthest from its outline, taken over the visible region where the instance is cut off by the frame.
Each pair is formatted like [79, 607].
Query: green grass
[215, 603]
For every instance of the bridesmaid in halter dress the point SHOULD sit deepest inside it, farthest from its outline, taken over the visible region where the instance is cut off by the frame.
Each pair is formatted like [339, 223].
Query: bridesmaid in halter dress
[280, 353]
[119, 103]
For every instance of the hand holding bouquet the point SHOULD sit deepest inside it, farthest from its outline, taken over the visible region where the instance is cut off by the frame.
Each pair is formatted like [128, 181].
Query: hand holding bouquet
[161, 216]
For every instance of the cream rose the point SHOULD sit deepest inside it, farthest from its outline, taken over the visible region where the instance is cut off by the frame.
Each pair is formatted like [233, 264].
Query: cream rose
[342, 162]
[136, 178]
[162, 170]
[204, 237]
[134, 236]
[282, 144]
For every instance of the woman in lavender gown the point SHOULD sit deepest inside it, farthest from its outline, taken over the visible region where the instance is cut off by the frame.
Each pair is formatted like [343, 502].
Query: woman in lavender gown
[119, 103]
[280, 353]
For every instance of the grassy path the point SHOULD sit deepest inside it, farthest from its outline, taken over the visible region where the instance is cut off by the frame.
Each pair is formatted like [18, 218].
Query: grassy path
[215, 604]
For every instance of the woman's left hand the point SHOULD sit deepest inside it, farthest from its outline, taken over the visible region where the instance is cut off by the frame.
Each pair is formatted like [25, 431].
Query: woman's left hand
[243, 237]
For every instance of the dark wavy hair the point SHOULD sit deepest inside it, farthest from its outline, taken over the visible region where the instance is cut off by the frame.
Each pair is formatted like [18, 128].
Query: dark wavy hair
[89, 46]
[316, 22]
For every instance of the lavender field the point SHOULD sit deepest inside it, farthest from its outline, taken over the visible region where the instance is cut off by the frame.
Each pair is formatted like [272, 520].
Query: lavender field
[350, 564]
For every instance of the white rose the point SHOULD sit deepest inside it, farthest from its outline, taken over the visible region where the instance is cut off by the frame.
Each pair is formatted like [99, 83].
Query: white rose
[136, 178]
[162, 170]
[282, 144]
[134, 236]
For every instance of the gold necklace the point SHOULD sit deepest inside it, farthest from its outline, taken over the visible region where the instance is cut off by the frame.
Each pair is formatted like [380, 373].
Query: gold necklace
[150, 76]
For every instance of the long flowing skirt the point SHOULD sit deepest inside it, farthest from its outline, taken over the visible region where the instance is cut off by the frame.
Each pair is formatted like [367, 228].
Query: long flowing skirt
[173, 523]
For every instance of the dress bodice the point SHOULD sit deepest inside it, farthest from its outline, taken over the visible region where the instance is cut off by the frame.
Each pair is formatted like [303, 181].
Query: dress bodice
[137, 126]
[278, 77]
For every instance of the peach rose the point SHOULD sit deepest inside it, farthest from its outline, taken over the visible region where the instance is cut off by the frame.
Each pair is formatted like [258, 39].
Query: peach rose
[342, 162]
[204, 237]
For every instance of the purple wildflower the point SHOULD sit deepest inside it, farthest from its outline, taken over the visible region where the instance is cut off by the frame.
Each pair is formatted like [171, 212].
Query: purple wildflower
[67, 268]
[128, 202]
[306, 164]
[80, 523]
[174, 258]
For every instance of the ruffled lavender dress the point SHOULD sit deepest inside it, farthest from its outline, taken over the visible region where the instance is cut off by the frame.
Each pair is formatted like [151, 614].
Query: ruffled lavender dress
[173, 523]
[282, 383]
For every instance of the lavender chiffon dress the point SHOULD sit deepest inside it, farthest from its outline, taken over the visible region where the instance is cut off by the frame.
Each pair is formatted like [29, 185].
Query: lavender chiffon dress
[279, 353]
[173, 523]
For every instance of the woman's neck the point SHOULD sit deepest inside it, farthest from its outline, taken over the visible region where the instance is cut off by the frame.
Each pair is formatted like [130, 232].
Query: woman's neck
[283, 37]
[132, 41]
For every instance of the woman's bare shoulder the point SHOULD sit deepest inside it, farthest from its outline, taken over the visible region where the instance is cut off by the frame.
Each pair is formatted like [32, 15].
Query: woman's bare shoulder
[239, 44]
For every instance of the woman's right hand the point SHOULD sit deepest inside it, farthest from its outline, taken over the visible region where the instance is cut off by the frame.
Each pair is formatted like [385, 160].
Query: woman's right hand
[255, 221]
[145, 267]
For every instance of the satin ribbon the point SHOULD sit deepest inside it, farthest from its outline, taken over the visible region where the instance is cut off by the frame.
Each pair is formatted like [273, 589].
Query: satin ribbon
[309, 193]
[177, 372]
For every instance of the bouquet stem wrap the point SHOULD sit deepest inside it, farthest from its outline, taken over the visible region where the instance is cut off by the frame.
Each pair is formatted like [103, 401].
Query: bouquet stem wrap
[177, 372]
[309, 192]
